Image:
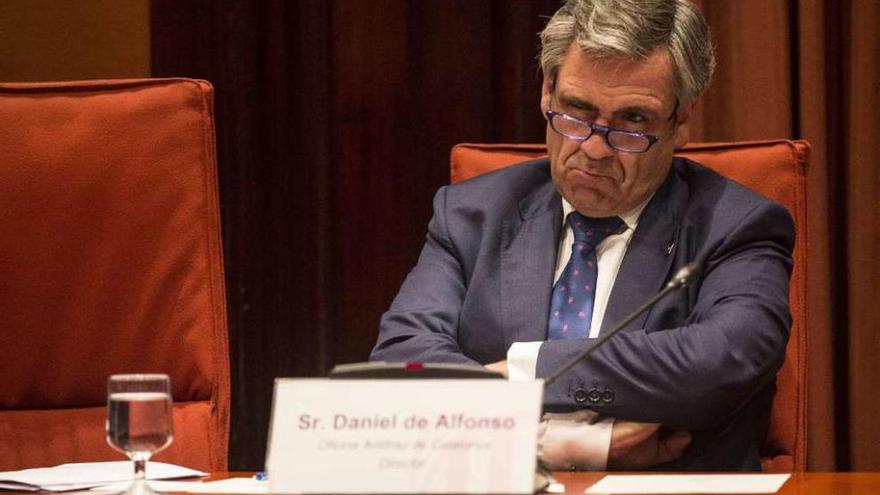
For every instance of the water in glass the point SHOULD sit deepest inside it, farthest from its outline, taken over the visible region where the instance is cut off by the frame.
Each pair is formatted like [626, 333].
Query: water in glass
[139, 420]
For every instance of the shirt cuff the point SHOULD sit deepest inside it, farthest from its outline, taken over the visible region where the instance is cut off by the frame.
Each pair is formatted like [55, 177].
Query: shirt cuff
[578, 440]
[522, 360]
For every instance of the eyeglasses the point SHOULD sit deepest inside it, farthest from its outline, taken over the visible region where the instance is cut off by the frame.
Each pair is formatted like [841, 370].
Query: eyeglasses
[619, 139]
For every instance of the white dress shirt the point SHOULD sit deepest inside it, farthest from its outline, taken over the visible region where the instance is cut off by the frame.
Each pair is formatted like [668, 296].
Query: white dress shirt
[578, 440]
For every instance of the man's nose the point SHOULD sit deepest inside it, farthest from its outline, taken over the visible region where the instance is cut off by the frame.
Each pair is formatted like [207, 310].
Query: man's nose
[596, 146]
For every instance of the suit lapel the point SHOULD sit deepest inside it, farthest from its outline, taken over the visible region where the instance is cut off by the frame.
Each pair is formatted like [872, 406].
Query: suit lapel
[528, 259]
[648, 258]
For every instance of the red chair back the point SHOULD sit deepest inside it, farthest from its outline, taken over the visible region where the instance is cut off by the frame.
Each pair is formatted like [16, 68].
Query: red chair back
[110, 262]
[776, 169]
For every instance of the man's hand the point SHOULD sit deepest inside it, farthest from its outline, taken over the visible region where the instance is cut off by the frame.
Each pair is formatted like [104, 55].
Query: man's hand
[639, 446]
[500, 367]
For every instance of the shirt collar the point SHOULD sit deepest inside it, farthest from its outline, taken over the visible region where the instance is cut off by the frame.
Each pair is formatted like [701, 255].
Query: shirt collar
[630, 218]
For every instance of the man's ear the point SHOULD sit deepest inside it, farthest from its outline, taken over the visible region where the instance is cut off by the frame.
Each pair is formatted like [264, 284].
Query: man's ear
[682, 124]
[546, 91]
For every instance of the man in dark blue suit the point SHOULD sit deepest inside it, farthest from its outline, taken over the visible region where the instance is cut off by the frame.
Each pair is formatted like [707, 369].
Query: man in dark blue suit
[522, 267]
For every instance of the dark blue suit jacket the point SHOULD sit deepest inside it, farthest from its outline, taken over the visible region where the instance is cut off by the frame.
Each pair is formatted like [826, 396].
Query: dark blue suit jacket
[704, 359]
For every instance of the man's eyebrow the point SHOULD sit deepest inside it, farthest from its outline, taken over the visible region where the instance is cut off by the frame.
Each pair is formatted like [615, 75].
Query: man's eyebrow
[581, 104]
[636, 109]
[573, 101]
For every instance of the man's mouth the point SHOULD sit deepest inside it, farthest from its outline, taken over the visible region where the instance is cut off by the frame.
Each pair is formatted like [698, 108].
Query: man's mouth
[587, 175]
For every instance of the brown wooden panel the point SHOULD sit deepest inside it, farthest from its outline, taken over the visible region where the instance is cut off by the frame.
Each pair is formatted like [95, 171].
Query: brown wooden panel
[48, 40]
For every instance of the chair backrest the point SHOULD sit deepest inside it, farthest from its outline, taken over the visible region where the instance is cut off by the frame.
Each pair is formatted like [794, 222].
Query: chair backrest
[776, 169]
[110, 262]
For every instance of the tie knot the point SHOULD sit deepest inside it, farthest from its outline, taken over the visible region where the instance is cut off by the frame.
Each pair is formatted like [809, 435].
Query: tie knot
[591, 230]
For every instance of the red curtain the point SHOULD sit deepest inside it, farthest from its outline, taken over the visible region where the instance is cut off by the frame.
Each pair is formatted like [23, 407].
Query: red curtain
[335, 120]
[809, 69]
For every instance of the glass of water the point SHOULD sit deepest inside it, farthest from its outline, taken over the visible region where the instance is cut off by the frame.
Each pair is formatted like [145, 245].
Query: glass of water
[139, 421]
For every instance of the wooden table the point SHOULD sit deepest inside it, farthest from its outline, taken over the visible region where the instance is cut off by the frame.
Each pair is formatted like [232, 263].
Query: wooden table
[798, 484]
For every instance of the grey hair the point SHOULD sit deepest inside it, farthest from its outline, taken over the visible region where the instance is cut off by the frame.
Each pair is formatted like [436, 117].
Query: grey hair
[634, 29]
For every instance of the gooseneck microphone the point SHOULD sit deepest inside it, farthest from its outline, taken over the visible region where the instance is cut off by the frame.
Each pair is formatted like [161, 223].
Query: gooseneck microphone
[683, 277]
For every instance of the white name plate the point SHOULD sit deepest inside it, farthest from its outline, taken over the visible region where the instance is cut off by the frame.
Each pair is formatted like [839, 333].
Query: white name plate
[403, 436]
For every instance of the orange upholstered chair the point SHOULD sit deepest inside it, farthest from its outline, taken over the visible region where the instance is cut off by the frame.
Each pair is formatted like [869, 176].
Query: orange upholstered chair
[110, 262]
[776, 169]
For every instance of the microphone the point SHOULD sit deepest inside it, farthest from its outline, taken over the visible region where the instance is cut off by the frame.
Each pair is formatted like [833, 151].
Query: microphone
[683, 277]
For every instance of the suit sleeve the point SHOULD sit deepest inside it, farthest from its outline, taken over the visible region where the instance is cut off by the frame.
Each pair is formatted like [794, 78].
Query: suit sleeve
[699, 374]
[422, 322]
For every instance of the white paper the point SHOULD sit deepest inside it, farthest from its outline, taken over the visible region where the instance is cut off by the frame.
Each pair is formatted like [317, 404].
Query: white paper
[76, 476]
[690, 483]
[243, 486]
[554, 487]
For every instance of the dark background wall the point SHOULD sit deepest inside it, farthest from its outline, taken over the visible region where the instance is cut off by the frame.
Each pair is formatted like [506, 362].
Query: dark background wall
[335, 120]
[334, 123]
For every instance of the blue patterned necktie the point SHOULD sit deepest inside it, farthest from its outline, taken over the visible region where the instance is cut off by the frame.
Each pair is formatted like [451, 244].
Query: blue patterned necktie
[572, 306]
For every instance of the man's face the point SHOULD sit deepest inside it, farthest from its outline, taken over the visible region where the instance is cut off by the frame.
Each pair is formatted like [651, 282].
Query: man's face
[633, 95]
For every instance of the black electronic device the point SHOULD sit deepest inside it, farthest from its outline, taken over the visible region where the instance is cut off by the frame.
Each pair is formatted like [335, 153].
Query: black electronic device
[410, 370]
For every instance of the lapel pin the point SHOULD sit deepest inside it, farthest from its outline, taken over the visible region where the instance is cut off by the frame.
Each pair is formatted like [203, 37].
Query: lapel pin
[669, 249]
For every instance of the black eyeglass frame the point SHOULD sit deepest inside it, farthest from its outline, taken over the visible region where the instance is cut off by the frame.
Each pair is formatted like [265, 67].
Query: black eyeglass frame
[602, 131]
